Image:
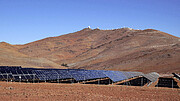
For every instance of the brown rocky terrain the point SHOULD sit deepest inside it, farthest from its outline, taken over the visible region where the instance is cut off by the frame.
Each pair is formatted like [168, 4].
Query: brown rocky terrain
[9, 56]
[119, 49]
[81, 92]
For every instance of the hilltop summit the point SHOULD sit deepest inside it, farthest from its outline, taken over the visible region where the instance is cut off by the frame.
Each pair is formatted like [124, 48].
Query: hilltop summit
[117, 49]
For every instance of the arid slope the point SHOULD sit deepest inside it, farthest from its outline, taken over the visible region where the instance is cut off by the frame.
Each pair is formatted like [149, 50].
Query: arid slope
[119, 49]
[9, 56]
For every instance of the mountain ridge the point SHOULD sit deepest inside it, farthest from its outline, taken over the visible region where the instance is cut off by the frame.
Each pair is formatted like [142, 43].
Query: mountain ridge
[116, 49]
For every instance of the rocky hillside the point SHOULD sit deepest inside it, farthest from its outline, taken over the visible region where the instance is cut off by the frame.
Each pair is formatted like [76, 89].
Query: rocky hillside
[119, 49]
[9, 56]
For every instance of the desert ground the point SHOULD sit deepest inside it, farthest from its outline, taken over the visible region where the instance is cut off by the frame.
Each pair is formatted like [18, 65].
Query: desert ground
[11, 91]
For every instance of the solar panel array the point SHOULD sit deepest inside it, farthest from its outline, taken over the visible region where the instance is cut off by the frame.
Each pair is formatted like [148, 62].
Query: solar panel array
[18, 73]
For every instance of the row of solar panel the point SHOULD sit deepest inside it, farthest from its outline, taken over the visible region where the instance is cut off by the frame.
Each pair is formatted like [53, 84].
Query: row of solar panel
[17, 77]
[56, 74]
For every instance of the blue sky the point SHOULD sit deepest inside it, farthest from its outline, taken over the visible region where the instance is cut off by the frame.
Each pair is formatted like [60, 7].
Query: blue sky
[24, 21]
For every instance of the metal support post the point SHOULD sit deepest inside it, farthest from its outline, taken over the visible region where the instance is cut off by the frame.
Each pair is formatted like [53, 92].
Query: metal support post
[7, 77]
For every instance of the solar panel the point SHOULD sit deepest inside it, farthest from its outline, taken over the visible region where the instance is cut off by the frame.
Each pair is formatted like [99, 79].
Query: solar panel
[120, 75]
[114, 76]
[128, 74]
[15, 74]
[2, 71]
[52, 74]
[153, 76]
[10, 67]
[40, 75]
[1, 77]
[92, 74]
[63, 74]
[78, 76]
[95, 74]
[135, 74]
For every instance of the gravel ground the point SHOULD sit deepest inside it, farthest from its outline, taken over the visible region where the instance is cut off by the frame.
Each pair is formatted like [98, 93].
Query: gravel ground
[12, 91]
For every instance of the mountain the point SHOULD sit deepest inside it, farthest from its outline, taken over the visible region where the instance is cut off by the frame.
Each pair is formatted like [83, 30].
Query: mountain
[118, 49]
[9, 56]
